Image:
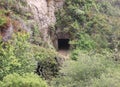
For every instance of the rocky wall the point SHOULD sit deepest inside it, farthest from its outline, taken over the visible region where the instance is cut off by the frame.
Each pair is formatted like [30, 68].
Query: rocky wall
[44, 14]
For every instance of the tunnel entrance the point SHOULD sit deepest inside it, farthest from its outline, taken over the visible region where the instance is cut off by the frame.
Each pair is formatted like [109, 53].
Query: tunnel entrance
[63, 44]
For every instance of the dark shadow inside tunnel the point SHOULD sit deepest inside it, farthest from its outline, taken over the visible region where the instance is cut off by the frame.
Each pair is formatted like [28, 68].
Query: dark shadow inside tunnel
[63, 44]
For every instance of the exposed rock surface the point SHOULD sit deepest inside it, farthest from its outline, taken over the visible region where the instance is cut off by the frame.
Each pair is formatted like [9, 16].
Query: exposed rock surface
[6, 32]
[44, 14]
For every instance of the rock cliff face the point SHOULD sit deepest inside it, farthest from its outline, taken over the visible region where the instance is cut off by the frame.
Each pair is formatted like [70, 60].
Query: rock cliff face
[44, 13]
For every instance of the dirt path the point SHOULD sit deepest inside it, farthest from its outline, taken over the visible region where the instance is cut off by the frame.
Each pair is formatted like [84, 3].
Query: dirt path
[64, 53]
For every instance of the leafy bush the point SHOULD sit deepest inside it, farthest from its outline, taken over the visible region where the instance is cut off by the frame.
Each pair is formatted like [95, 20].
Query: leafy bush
[16, 56]
[74, 54]
[79, 73]
[11, 4]
[107, 80]
[84, 42]
[19, 56]
[47, 62]
[109, 7]
[4, 21]
[25, 80]
[17, 8]
[36, 36]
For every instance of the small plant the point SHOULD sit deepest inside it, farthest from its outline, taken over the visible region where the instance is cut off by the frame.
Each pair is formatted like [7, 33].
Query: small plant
[74, 54]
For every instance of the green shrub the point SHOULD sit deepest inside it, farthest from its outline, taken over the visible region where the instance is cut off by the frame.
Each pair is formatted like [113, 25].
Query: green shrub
[25, 80]
[19, 56]
[79, 73]
[84, 42]
[110, 7]
[107, 80]
[36, 36]
[3, 21]
[74, 54]
[16, 56]
[47, 64]
[11, 4]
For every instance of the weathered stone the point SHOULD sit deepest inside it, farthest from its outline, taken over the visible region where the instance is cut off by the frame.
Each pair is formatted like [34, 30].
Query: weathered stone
[44, 14]
[7, 32]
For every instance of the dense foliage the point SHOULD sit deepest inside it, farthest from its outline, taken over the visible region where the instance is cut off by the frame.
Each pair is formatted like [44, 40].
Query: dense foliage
[90, 70]
[15, 56]
[26, 80]
[94, 29]
[19, 56]
[81, 17]
[47, 62]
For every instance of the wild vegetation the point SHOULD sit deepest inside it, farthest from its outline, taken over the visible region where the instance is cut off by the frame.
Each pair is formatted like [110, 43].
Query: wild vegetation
[94, 27]
[21, 55]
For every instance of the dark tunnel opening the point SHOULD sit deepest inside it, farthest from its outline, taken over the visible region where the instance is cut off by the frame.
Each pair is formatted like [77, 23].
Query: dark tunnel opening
[63, 44]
